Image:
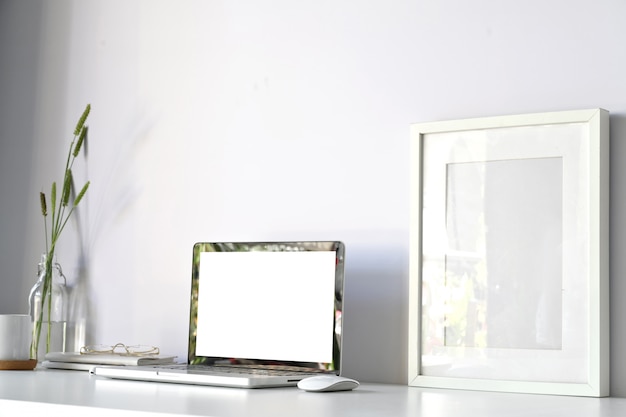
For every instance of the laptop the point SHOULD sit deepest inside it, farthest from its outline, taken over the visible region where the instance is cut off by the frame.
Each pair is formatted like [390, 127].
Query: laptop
[263, 314]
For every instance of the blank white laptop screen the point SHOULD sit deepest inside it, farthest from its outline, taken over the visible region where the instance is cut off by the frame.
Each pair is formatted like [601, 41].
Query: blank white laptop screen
[266, 305]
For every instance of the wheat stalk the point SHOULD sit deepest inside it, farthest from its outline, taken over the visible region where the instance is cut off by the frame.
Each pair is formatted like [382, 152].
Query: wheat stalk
[59, 217]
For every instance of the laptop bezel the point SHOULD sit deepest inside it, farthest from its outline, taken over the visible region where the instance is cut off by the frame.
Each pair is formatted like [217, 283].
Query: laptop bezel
[337, 246]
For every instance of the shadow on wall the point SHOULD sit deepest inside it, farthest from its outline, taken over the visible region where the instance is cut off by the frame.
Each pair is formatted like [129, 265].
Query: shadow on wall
[20, 45]
[617, 221]
[376, 320]
[113, 197]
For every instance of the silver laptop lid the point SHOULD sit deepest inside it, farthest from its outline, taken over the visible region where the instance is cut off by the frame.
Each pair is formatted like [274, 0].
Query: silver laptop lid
[267, 303]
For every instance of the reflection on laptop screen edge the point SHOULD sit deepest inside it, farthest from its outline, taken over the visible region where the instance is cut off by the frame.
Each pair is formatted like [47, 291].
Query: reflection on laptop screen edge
[288, 275]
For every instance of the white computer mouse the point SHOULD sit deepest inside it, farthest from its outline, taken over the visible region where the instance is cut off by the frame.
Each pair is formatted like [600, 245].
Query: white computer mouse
[327, 383]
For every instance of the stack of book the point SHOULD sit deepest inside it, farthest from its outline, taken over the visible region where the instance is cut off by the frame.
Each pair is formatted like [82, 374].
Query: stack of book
[83, 362]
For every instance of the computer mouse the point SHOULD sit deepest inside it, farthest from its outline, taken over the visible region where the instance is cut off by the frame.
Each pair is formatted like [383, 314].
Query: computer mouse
[327, 383]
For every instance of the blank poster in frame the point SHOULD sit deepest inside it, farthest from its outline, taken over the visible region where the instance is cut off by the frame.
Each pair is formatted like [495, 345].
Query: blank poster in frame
[509, 254]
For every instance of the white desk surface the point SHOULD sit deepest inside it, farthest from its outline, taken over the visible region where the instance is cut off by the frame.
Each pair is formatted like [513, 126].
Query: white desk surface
[69, 393]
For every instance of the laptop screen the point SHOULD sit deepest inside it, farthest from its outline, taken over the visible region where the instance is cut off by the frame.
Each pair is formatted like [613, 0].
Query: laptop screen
[267, 303]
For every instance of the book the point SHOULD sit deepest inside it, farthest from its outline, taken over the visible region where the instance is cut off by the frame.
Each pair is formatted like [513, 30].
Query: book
[79, 361]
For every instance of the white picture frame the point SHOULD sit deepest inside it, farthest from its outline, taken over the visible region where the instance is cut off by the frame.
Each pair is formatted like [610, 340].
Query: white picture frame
[509, 247]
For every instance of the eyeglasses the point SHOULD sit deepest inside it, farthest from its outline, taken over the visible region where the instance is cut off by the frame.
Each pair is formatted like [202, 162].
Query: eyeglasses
[119, 349]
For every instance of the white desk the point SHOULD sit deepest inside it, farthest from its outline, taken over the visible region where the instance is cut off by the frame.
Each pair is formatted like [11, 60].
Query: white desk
[69, 393]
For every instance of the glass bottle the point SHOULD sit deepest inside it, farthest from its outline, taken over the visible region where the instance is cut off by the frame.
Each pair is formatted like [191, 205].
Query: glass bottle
[56, 322]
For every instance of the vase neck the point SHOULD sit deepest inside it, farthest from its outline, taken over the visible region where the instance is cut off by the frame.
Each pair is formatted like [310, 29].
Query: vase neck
[57, 272]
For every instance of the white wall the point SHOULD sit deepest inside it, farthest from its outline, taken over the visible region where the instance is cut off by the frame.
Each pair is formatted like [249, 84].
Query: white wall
[222, 120]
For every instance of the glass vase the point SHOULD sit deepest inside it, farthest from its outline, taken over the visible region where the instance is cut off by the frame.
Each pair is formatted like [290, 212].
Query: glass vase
[49, 313]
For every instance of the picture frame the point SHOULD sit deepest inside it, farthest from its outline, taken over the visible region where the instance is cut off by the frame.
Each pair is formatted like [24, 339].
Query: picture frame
[509, 254]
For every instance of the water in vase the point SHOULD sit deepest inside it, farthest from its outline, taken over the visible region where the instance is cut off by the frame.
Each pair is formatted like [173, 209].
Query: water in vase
[58, 336]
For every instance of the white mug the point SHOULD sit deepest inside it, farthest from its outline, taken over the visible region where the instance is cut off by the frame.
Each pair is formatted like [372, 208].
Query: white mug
[15, 337]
